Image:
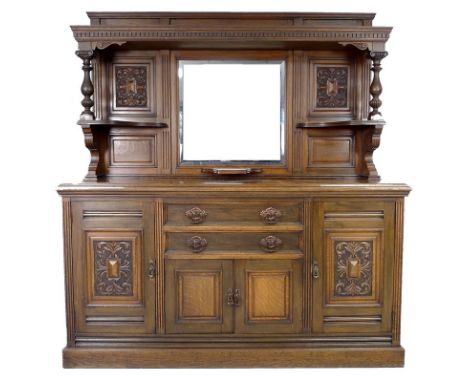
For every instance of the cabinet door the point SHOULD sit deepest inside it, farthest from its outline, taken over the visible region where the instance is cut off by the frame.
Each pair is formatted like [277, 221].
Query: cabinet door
[113, 247]
[269, 296]
[353, 256]
[197, 296]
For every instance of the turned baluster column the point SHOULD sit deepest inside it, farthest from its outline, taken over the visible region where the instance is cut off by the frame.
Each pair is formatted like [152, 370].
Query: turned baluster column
[376, 85]
[87, 88]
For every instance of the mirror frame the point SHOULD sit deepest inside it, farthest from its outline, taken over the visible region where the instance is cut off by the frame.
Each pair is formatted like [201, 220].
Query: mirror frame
[268, 168]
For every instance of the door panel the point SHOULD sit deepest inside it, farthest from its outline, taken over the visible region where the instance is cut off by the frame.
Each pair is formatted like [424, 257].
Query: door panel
[196, 296]
[353, 247]
[270, 296]
[113, 245]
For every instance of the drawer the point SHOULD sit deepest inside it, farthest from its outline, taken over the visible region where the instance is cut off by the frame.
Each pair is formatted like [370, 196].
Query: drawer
[239, 242]
[206, 212]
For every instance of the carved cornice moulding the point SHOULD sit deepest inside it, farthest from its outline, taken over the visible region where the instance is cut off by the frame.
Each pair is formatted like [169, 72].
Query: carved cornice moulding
[355, 36]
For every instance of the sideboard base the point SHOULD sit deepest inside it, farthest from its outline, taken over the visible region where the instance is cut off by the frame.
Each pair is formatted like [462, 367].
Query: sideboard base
[83, 357]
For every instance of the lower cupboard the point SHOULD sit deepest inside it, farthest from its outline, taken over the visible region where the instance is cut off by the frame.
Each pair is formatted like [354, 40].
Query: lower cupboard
[147, 277]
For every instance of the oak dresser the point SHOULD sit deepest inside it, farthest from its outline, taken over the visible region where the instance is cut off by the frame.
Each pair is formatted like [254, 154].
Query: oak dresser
[232, 215]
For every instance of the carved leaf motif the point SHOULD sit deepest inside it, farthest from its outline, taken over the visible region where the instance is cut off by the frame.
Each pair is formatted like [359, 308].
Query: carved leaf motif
[353, 268]
[196, 215]
[271, 215]
[271, 243]
[131, 86]
[332, 87]
[106, 255]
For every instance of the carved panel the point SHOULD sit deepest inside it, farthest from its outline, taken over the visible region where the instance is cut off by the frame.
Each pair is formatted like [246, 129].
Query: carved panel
[113, 268]
[332, 87]
[131, 86]
[353, 267]
[198, 295]
[113, 274]
[268, 296]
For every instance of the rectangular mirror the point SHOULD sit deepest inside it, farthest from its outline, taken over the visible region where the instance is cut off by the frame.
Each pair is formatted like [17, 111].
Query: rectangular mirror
[231, 111]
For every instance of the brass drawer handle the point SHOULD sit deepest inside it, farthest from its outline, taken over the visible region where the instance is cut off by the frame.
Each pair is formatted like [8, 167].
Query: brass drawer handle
[271, 215]
[197, 243]
[270, 243]
[196, 215]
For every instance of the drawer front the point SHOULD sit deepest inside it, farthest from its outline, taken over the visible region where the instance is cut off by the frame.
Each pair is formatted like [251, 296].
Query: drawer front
[206, 212]
[261, 242]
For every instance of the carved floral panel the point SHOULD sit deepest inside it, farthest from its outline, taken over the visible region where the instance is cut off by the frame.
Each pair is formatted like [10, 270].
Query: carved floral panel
[113, 268]
[353, 268]
[332, 87]
[131, 86]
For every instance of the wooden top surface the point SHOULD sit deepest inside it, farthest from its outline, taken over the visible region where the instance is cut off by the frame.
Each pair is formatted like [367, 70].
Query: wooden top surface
[229, 187]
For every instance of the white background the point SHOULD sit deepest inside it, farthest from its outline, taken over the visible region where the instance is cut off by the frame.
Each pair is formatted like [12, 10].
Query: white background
[424, 144]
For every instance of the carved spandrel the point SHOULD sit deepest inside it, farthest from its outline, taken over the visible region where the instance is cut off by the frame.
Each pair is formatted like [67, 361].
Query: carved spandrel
[332, 87]
[131, 86]
[113, 268]
[353, 268]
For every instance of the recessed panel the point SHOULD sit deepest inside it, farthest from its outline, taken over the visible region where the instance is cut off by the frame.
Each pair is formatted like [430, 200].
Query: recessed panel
[113, 263]
[330, 151]
[128, 151]
[353, 263]
[268, 296]
[198, 295]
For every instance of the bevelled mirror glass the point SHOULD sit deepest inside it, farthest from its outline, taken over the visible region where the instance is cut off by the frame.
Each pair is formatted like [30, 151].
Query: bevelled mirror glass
[231, 111]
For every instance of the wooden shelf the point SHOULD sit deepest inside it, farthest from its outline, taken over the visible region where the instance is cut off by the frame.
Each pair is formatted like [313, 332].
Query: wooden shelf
[357, 123]
[114, 123]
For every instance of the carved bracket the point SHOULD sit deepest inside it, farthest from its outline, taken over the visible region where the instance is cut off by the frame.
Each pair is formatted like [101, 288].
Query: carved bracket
[376, 85]
[94, 139]
[101, 45]
[372, 143]
[87, 88]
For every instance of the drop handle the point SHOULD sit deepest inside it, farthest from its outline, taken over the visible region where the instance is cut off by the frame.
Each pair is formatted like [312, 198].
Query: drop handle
[315, 270]
[151, 270]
